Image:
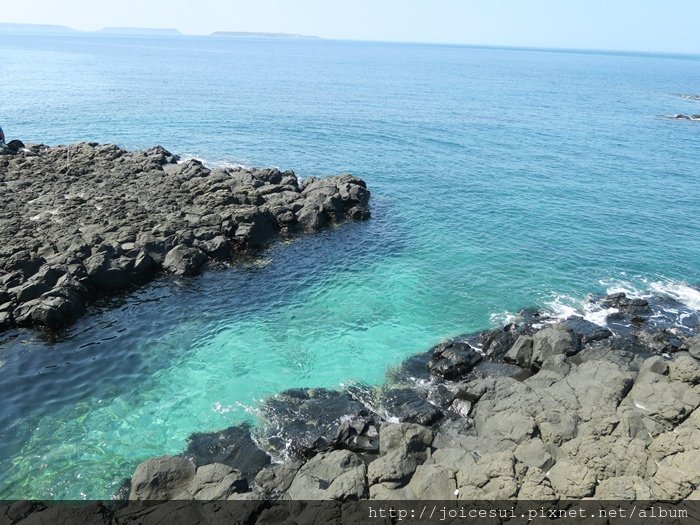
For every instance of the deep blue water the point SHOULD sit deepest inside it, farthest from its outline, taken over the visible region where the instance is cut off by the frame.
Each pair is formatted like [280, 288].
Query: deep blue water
[500, 179]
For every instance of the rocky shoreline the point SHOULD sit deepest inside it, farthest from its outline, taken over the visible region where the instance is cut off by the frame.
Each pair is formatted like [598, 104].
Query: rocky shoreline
[84, 221]
[542, 408]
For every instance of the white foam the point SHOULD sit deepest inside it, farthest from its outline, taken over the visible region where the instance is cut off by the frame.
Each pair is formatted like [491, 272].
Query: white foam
[596, 314]
[681, 292]
[561, 307]
[502, 318]
[212, 164]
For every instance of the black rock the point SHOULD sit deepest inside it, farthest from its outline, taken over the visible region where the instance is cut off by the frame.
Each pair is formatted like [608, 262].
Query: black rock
[233, 446]
[453, 360]
[587, 330]
[301, 422]
[408, 406]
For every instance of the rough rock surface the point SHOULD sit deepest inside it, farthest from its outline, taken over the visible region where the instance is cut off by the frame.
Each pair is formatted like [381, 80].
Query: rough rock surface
[85, 220]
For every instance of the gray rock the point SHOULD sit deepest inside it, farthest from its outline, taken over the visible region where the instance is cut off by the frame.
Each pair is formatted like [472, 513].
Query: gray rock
[276, 479]
[521, 352]
[184, 260]
[109, 217]
[337, 475]
[405, 436]
[554, 340]
[162, 478]
[216, 482]
[624, 488]
[433, 482]
[572, 481]
[397, 466]
[533, 453]
[694, 347]
[684, 368]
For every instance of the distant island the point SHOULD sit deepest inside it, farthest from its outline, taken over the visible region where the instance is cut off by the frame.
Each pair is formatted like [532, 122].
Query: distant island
[135, 31]
[140, 31]
[248, 34]
[35, 28]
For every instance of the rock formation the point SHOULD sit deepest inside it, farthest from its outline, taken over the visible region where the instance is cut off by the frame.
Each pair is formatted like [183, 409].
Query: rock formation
[82, 221]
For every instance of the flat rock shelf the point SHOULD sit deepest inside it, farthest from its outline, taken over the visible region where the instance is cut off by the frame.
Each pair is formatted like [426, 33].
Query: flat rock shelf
[87, 220]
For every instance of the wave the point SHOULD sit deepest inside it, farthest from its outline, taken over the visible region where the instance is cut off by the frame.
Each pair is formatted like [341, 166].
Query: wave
[213, 164]
[671, 304]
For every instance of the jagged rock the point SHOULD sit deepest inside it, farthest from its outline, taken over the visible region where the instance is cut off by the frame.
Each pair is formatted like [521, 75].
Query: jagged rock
[109, 217]
[215, 482]
[536, 486]
[694, 347]
[184, 260]
[407, 405]
[572, 481]
[233, 447]
[162, 478]
[624, 488]
[492, 476]
[684, 369]
[396, 466]
[658, 399]
[610, 456]
[433, 482]
[453, 360]
[276, 479]
[305, 421]
[521, 352]
[534, 454]
[554, 340]
[499, 413]
[677, 476]
[405, 436]
[338, 475]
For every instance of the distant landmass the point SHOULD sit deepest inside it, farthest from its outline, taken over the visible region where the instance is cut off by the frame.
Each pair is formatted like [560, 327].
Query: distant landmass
[134, 31]
[35, 28]
[141, 31]
[248, 34]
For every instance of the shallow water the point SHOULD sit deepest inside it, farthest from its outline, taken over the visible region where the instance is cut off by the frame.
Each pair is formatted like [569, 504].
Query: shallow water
[500, 179]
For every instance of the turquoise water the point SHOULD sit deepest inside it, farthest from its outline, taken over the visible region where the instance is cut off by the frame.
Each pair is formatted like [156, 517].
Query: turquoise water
[500, 179]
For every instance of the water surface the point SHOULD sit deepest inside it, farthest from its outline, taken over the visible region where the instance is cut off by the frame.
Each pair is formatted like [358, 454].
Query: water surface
[500, 179]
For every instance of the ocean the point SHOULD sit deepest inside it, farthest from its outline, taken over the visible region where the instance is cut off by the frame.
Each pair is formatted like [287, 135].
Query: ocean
[500, 179]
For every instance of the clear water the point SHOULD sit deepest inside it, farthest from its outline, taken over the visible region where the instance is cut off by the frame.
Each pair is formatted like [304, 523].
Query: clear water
[501, 179]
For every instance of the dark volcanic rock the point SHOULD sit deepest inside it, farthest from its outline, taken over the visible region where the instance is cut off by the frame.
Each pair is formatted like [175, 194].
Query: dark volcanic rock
[184, 260]
[408, 406]
[586, 330]
[301, 421]
[453, 360]
[109, 218]
[233, 446]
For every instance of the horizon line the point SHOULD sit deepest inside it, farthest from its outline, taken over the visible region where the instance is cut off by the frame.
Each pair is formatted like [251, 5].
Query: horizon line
[176, 33]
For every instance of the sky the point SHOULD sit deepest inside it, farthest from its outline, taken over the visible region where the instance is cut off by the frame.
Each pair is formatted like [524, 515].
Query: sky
[635, 25]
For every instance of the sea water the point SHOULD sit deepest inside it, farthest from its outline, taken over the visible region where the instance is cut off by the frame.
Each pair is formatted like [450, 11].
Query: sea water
[500, 179]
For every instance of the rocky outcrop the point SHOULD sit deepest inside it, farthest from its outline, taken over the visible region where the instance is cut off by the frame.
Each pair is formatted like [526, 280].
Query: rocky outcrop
[680, 116]
[569, 410]
[87, 220]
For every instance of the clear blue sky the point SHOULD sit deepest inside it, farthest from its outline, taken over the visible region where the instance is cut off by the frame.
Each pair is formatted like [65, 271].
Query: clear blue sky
[641, 25]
